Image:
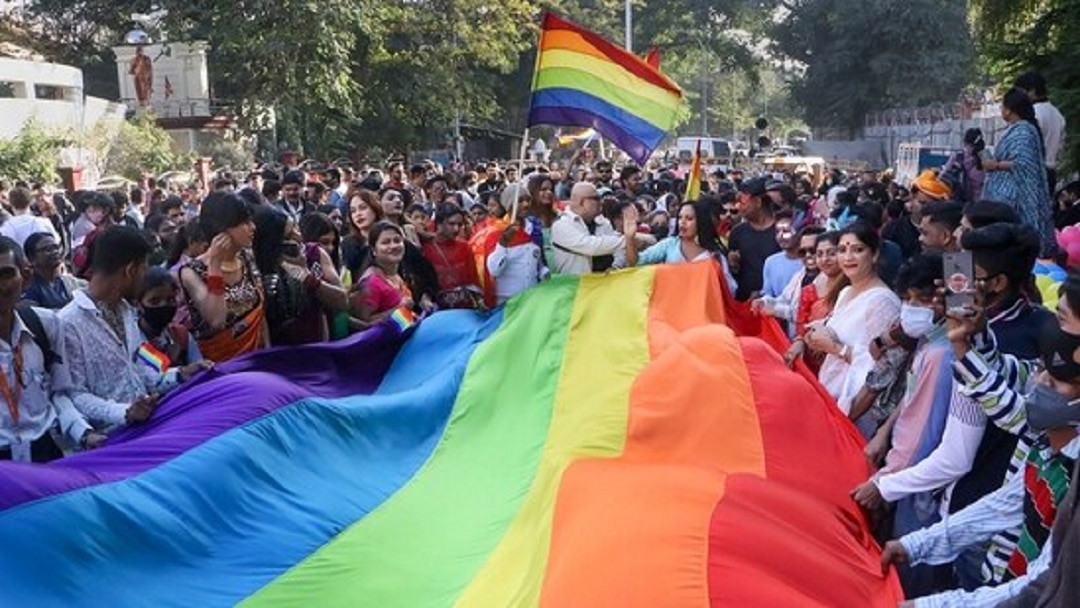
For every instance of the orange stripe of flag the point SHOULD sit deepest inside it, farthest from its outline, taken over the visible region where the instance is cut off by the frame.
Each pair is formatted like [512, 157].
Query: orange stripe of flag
[615, 54]
[655, 502]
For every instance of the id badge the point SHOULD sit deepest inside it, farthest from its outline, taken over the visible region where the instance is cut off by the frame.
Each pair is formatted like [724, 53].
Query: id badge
[20, 451]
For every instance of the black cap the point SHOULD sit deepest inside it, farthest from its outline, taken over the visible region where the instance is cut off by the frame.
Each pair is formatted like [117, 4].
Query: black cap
[754, 187]
[1057, 349]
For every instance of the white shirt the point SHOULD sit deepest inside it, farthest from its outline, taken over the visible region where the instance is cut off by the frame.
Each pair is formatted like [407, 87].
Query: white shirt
[45, 397]
[950, 460]
[856, 321]
[105, 376]
[515, 269]
[1052, 125]
[786, 305]
[20, 227]
[574, 247]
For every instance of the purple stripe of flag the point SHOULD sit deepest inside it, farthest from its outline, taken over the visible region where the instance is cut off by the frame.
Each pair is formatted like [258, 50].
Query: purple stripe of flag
[241, 390]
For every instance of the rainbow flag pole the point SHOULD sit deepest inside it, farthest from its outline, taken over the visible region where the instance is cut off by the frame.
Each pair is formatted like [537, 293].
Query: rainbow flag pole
[585, 80]
[693, 181]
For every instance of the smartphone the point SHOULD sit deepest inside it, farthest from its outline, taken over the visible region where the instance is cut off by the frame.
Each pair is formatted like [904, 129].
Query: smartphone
[290, 249]
[959, 273]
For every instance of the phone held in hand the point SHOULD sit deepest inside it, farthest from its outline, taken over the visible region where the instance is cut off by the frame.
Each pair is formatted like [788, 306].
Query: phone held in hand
[958, 269]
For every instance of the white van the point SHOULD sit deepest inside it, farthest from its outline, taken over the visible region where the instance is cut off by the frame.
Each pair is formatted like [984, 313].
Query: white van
[714, 151]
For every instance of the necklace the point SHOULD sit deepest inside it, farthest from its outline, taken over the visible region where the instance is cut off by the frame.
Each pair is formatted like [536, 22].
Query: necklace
[230, 267]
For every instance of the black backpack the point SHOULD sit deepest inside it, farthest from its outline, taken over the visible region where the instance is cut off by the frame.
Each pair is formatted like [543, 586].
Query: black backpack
[32, 322]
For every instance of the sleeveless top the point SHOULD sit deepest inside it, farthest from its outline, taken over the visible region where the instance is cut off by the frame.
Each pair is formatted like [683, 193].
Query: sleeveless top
[240, 298]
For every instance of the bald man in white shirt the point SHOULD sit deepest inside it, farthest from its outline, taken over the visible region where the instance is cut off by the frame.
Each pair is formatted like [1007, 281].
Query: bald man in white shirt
[582, 234]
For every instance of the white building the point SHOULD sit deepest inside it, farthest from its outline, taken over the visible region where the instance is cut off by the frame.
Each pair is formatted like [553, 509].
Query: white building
[52, 94]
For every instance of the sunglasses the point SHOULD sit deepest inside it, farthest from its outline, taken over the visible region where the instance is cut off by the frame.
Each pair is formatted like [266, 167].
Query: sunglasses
[8, 272]
[808, 252]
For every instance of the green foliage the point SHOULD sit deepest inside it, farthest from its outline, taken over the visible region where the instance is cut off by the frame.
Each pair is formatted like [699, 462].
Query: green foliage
[1036, 34]
[227, 153]
[32, 155]
[143, 148]
[873, 55]
[346, 75]
[80, 33]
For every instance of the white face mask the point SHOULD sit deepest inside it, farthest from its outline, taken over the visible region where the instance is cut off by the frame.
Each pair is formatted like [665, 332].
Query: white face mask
[916, 321]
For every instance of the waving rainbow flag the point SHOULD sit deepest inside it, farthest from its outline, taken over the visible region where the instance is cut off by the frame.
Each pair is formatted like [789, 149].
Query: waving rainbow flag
[584, 80]
[603, 441]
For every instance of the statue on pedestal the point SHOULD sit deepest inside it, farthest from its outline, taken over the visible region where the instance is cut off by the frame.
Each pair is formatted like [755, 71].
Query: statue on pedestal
[141, 70]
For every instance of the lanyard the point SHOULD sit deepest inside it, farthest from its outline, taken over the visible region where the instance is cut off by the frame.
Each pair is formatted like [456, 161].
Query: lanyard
[5, 390]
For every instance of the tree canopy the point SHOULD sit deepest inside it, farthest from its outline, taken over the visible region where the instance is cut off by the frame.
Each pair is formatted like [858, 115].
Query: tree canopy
[873, 55]
[1043, 35]
[370, 74]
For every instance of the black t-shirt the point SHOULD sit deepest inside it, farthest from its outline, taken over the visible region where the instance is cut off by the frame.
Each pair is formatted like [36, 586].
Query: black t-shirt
[1068, 217]
[754, 246]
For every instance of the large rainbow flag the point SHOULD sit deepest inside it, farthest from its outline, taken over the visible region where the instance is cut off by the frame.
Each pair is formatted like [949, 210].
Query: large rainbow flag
[584, 80]
[602, 441]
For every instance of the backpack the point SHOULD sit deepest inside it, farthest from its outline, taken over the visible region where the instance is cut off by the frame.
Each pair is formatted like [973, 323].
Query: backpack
[80, 256]
[32, 322]
[954, 173]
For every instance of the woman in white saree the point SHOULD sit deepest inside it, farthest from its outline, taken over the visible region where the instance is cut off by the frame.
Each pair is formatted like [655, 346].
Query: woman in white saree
[865, 309]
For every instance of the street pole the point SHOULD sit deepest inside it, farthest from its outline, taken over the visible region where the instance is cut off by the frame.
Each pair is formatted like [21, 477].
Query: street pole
[629, 16]
[704, 99]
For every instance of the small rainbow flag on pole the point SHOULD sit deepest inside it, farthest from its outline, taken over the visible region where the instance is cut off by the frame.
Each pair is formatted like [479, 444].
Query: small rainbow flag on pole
[150, 355]
[584, 80]
[693, 177]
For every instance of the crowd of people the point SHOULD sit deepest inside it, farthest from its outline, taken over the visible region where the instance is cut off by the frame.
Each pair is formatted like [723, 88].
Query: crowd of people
[110, 300]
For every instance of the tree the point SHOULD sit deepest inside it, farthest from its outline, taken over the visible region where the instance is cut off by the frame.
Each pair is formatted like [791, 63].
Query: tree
[1035, 34]
[348, 74]
[80, 33]
[337, 72]
[872, 55]
[142, 148]
[227, 153]
[32, 155]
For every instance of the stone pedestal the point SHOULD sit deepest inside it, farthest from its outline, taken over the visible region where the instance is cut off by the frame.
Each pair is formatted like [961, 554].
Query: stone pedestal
[180, 81]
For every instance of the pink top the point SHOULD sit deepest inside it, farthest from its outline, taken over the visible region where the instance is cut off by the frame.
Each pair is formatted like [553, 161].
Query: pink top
[380, 295]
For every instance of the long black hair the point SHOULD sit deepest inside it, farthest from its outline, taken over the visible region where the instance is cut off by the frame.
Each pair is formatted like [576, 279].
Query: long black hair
[221, 211]
[1018, 102]
[706, 228]
[268, 245]
[191, 232]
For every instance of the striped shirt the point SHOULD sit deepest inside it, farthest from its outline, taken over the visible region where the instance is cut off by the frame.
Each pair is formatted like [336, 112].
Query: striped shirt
[999, 383]
[945, 540]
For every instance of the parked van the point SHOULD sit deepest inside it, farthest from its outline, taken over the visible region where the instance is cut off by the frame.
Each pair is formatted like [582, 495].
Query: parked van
[714, 151]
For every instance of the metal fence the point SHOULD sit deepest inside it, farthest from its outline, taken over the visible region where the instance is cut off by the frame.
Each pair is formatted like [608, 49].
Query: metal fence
[938, 125]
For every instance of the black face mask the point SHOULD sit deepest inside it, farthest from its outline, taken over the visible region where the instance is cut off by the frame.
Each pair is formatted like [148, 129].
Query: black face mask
[159, 317]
